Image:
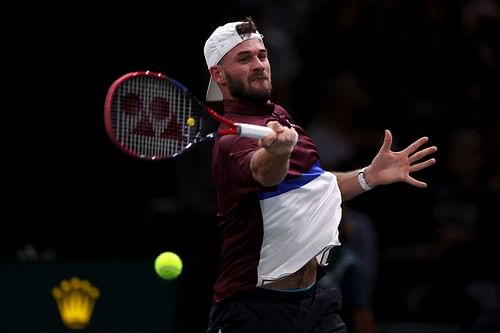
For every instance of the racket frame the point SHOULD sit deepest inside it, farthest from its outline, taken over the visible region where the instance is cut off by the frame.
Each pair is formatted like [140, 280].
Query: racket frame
[246, 130]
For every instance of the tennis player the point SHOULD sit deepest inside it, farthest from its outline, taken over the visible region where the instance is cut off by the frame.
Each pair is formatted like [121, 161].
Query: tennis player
[279, 210]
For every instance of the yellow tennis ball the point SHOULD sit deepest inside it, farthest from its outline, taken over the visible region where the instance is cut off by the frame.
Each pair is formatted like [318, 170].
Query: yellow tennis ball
[168, 265]
[190, 122]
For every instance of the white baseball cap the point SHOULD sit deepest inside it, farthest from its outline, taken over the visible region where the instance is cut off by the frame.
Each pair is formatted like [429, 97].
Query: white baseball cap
[223, 40]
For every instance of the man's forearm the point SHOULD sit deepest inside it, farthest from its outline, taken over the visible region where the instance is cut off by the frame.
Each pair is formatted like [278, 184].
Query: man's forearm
[269, 169]
[349, 184]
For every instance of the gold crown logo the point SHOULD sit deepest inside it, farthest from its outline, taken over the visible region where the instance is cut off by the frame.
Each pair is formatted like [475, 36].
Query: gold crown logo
[75, 300]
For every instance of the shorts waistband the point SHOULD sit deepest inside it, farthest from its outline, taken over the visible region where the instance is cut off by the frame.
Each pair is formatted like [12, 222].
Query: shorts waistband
[274, 295]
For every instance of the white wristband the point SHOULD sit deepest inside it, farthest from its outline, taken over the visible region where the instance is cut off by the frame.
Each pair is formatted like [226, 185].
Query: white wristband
[362, 180]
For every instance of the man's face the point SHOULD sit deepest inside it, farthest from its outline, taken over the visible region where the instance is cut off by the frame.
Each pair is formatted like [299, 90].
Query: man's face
[247, 72]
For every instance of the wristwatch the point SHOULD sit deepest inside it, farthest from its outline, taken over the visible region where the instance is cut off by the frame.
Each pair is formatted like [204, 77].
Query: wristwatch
[362, 180]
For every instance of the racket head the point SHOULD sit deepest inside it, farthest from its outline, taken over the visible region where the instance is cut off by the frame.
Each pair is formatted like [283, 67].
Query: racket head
[150, 116]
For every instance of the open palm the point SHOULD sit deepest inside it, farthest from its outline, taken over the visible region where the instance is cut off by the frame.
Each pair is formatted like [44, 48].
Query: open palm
[390, 166]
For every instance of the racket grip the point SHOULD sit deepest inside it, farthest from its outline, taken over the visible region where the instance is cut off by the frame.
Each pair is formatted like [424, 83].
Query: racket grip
[253, 131]
[256, 131]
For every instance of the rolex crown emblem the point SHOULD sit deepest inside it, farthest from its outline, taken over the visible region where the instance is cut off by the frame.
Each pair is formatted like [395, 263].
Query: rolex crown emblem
[75, 300]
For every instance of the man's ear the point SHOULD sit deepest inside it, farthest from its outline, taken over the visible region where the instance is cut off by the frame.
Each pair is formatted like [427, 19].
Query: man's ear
[216, 74]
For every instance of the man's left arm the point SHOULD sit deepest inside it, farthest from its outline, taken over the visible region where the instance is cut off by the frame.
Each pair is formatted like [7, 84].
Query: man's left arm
[387, 167]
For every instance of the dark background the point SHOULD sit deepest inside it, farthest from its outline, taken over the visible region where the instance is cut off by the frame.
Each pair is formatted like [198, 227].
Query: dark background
[428, 67]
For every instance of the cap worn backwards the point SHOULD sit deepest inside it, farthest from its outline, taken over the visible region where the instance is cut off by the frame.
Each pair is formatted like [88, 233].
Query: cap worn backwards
[223, 40]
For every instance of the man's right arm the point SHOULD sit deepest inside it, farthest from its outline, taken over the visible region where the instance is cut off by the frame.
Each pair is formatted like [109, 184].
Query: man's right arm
[270, 163]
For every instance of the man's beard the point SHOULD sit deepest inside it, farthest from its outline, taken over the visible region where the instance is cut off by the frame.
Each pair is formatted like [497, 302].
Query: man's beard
[253, 96]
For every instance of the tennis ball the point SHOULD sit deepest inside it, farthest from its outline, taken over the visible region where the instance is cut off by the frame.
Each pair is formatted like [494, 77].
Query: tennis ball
[190, 122]
[168, 265]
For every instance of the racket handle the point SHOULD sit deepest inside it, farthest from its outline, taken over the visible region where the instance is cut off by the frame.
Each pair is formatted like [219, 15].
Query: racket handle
[256, 131]
[253, 131]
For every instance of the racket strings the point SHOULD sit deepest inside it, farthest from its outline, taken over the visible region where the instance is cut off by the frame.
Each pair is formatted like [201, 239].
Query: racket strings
[154, 118]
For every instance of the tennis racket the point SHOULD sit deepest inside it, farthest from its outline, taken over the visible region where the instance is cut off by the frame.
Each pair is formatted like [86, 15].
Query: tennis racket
[152, 116]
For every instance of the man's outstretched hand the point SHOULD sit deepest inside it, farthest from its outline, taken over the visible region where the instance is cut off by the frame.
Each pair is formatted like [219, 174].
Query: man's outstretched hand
[389, 166]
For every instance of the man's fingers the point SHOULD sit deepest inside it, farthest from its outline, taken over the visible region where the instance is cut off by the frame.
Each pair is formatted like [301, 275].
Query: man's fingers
[415, 145]
[420, 154]
[416, 183]
[422, 165]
